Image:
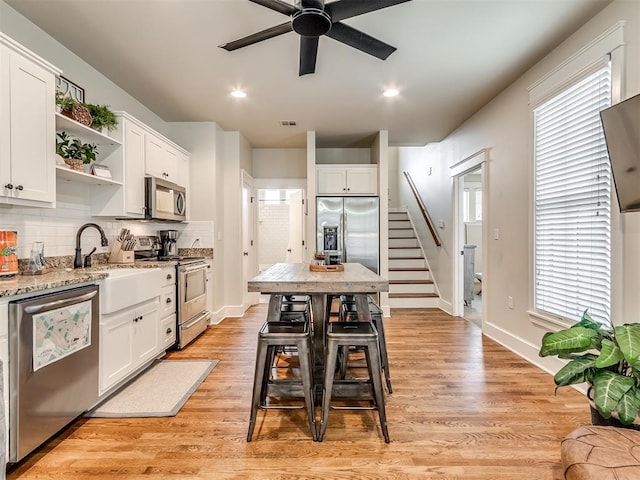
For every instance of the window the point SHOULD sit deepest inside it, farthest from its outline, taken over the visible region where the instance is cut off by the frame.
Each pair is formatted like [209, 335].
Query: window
[466, 207]
[572, 225]
[478, 205]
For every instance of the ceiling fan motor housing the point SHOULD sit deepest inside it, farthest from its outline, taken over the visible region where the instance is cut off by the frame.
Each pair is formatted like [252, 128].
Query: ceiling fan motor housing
[311, 22]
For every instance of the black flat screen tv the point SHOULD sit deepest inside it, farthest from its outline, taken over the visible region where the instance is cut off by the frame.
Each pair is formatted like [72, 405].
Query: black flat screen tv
[621, 125]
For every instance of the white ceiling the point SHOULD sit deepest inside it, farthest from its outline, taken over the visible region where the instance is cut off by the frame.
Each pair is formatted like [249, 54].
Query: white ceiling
[453, 56]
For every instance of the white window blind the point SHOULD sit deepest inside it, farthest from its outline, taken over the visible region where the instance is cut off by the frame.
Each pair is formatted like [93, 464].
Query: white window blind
[572, 201]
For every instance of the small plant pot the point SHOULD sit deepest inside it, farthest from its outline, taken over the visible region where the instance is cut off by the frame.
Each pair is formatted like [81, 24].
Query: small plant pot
[74, 164]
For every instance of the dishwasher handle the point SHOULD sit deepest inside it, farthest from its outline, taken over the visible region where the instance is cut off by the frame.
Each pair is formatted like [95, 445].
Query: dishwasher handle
[45, 307]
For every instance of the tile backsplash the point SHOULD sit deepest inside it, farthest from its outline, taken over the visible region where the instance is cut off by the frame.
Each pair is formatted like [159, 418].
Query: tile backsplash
[57, 227]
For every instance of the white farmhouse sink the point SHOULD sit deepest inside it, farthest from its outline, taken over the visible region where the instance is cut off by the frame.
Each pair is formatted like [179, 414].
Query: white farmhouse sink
[125, 287]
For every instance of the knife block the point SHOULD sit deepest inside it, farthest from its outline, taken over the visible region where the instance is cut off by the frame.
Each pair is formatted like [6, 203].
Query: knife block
[120, 256]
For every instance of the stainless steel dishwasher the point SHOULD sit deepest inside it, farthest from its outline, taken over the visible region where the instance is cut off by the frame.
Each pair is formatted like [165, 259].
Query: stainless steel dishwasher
[53, 367]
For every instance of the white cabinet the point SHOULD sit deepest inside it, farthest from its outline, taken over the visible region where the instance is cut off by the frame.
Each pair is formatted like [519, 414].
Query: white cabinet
[126, 163]
[27, 131]
[347, 179]
[128, 339]
[142, 152]
[162, 159]
[168, 307]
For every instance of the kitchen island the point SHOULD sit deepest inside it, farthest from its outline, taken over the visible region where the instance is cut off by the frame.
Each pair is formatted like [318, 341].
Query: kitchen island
[296, 279]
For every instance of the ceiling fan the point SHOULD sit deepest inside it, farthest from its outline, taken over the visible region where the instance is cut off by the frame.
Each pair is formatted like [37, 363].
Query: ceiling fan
[312, 18]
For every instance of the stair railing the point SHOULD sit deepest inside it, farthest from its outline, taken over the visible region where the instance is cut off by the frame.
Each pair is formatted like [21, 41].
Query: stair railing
[423, 209]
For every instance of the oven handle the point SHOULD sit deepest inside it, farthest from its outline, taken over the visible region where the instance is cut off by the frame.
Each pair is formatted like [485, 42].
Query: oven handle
[44, 307]
[193, 268]
[204, 314]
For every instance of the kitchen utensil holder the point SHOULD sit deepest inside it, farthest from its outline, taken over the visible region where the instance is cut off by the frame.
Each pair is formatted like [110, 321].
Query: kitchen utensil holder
[118, 255]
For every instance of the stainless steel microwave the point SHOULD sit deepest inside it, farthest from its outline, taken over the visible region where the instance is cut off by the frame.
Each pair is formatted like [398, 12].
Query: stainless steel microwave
[164, 200]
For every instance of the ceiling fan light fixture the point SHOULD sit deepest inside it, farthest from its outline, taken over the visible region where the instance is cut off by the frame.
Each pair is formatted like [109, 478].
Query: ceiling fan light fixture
[391, 92]
[311, 22]
[237, 93]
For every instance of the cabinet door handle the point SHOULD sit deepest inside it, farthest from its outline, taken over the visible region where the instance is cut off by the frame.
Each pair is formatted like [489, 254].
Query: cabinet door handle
[169, 331]
[169, 276]
[168, 300]
[19, 187]
[9, 186]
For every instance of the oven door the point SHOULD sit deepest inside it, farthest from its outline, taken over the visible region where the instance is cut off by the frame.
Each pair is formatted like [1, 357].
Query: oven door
[192, 290]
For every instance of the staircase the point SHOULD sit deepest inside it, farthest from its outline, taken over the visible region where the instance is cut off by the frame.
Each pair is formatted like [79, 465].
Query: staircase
[410, 283]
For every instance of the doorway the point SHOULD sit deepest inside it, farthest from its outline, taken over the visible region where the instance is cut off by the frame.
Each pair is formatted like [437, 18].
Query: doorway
[471, 186]
[249, 263]
[470, 214]
[280, 226]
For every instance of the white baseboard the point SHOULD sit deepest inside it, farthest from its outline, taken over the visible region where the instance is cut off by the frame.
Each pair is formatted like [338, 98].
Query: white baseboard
[445, 306]
[526, 350]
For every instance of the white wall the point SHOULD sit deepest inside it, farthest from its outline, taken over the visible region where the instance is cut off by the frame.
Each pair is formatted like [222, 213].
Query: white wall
[203, 140]
[279, 163]
[343, 155]
[394, 200]
[503, 127]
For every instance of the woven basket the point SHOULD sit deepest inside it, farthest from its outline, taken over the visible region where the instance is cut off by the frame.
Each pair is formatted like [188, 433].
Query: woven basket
[74, 164]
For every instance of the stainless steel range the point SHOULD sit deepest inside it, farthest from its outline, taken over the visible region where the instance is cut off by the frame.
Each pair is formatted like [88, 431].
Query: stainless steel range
[191, 289]
[193, 316]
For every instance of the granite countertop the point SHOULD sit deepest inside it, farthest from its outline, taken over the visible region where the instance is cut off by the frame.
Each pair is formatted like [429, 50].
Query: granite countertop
[60, 274]
[61, 277]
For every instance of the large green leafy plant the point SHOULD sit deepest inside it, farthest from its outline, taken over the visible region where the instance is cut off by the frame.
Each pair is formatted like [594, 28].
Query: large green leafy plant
[607, 357]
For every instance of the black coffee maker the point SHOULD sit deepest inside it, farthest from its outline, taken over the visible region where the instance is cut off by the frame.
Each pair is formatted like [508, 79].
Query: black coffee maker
[168, 239]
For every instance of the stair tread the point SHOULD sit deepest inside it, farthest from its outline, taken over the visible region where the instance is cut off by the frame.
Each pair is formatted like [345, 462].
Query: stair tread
[410, 282]
[413, 295]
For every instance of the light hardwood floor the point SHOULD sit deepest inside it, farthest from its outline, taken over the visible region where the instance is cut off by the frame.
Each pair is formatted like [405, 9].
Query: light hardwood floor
[463, 407]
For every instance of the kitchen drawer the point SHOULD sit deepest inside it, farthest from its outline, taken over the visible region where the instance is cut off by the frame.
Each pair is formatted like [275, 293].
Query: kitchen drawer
[169, 276]
[168, 331]
[168, 301]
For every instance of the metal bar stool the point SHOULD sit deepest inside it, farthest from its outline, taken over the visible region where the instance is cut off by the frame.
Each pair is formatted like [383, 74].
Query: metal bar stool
[280, 334]
[349, 313]
[346, 334]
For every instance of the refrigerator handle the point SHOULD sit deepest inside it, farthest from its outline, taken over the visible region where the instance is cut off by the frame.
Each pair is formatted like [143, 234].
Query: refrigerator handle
[344, 237]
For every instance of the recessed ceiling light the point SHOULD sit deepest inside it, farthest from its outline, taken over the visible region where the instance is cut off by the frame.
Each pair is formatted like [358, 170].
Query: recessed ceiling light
[238, 94]
[391, 92]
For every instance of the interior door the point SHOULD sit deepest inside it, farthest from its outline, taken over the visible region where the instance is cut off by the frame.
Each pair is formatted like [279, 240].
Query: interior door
[249, 257]
[294, 248]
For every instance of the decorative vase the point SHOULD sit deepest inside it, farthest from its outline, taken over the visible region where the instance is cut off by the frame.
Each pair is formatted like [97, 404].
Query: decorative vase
[74, 164]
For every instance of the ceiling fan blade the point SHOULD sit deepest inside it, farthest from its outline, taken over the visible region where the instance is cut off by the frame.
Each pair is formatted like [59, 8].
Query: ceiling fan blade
[277, 5]
[308, 55]
[360, 40]
[343, 9]
[257, 37]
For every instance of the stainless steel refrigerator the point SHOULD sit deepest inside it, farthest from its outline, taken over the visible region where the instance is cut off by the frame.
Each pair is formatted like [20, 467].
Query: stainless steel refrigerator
[358, 228]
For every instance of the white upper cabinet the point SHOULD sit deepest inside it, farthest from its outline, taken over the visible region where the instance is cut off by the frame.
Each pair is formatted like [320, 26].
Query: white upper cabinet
[347, 179]
[142, 151]
[123, 197]
[162, 159]
[27, 127]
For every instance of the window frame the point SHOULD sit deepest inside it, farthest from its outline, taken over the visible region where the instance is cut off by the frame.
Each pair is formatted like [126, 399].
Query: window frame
[607, 47]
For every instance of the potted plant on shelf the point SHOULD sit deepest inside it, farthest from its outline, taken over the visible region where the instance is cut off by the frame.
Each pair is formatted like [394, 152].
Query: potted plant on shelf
[64, 104]
[606, 357]
[103, 117]
[75, 153]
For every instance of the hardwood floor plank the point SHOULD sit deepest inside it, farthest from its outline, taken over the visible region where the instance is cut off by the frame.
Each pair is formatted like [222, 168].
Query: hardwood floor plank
[462, 407]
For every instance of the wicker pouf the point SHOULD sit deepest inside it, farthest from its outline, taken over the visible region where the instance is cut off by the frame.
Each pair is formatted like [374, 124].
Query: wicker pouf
[601, 453]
